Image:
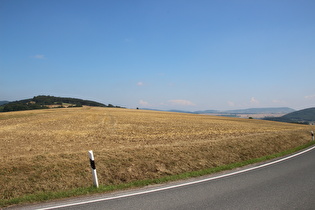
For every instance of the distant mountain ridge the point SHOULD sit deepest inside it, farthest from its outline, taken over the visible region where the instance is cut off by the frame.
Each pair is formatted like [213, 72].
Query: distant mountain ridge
[276, 110]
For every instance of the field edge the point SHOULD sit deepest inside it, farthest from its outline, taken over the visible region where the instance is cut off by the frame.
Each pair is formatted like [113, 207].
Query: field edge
[47, 196]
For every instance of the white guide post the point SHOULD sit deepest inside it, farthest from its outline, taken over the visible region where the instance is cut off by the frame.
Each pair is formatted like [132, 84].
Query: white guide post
[94, 175]
[312, 132]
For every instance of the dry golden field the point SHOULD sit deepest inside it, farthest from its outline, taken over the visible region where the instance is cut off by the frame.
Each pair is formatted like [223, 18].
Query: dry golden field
[46, 150]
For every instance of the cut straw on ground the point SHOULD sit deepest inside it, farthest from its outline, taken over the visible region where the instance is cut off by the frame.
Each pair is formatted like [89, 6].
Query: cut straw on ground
[44, 152]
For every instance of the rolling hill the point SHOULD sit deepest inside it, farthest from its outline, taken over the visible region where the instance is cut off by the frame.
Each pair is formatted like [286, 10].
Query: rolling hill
[304, 116]
[44, 102]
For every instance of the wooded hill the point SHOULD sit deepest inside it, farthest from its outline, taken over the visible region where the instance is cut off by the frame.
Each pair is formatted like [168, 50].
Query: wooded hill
[304, 116]
[45, 102]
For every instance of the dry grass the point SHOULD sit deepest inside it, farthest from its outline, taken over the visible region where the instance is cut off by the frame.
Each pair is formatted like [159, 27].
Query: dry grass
[46, 150]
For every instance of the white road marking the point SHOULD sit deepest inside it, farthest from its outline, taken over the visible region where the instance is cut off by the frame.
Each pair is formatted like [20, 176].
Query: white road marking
[178, 185]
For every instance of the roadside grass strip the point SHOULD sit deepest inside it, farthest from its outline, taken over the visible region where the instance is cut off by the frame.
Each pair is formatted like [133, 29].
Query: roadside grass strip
[45, 196]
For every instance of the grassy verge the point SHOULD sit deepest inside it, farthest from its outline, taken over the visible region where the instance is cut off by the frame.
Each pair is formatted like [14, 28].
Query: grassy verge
[44, 196]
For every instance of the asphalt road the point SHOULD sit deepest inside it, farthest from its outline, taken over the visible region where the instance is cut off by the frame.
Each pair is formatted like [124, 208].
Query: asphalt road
[286, 184]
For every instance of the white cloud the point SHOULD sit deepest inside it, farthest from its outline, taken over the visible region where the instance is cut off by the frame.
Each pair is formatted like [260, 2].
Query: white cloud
[231, 103]
[182, 102]
[276, 101]
[254, 101]
[39, 56]
[310, 97]
[280, 102]
[140, 84]
[144, 103]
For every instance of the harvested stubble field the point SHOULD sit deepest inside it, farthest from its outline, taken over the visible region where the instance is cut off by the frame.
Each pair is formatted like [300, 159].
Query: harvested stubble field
[46, 150]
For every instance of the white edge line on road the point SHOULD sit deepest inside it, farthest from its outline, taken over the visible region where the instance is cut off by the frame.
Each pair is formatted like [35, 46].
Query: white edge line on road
[178, 185]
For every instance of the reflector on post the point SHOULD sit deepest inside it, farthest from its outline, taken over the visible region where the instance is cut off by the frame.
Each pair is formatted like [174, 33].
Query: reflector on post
[92, 162]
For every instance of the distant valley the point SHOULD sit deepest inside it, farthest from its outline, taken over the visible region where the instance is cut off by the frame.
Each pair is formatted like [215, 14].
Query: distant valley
[279, 114]
[257, 113]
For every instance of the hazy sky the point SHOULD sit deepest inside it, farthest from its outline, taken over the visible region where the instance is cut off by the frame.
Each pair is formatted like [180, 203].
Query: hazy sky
[165, 54]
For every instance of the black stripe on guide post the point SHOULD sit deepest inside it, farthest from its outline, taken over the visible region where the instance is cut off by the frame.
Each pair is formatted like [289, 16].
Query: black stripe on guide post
[92, 164]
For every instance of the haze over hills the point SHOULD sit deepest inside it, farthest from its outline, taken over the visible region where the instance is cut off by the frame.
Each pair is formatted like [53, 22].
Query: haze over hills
[3, 102]
[277, 110]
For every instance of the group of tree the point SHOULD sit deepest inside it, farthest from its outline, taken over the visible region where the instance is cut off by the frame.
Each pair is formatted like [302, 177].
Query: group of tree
[17, 106]
[43, 102]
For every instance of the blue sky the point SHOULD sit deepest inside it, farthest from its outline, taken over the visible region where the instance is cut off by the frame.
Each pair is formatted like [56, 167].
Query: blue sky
[166, 54]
